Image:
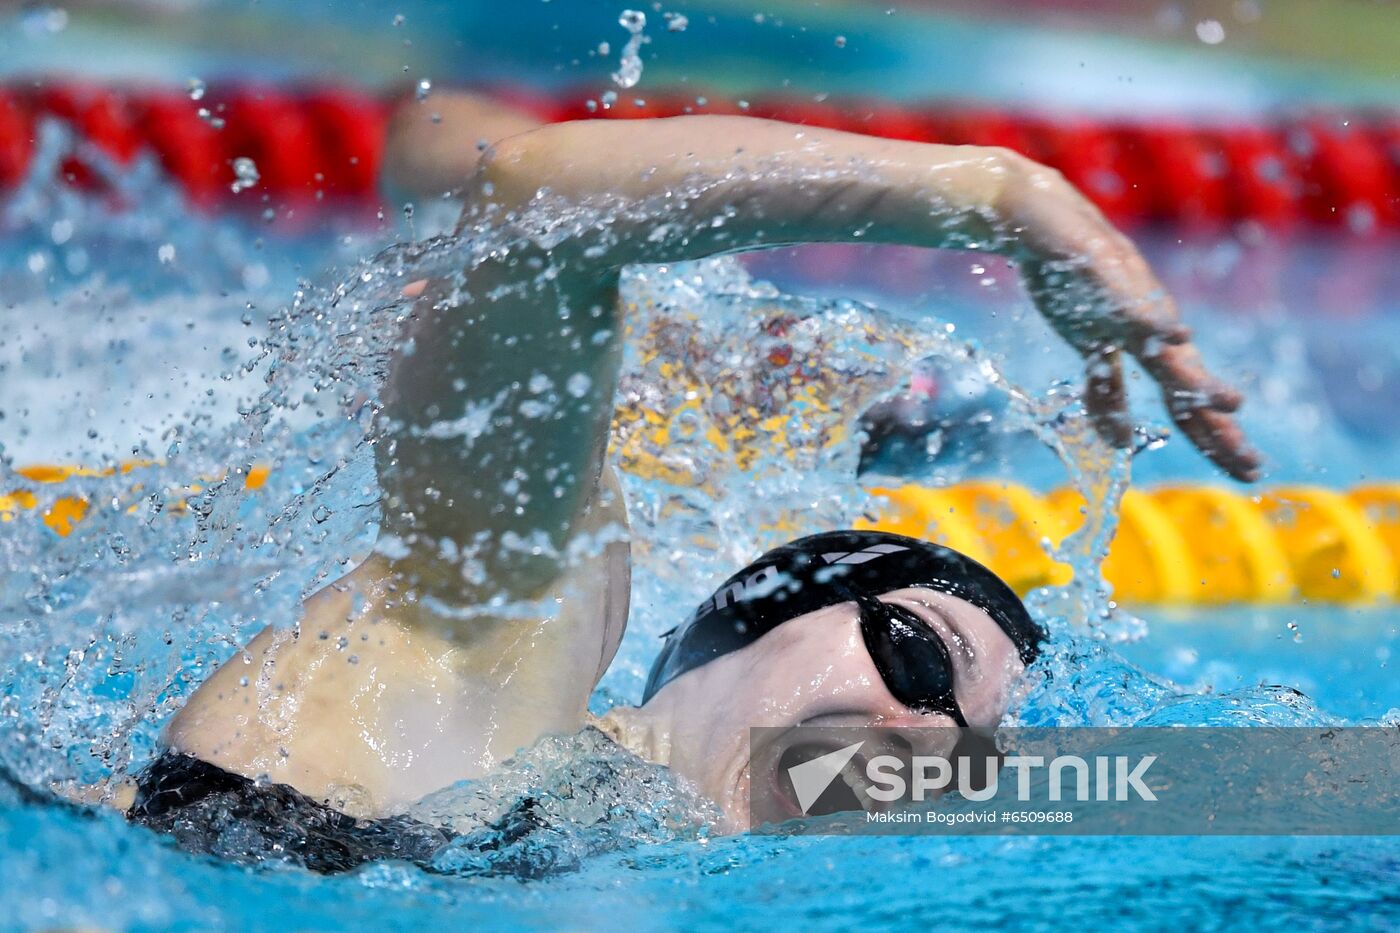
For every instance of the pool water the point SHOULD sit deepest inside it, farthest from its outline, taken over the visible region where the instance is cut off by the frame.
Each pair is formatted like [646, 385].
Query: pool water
[214, 344]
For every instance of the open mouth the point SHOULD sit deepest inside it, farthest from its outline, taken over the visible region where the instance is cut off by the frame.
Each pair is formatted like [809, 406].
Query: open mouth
[846, 793]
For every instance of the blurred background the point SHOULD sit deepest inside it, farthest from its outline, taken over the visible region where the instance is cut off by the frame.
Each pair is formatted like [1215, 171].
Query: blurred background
[1252, 149]
[1207, 57]
[174, 172]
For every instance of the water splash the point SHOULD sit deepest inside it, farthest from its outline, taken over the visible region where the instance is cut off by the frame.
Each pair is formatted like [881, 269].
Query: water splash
[582, 795]
[178, 561]
[629, 68]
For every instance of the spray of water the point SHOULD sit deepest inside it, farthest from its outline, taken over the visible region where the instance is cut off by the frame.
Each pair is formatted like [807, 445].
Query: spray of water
[738, 428]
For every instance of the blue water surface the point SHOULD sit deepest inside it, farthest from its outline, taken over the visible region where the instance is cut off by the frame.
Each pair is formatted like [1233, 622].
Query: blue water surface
[66, 866]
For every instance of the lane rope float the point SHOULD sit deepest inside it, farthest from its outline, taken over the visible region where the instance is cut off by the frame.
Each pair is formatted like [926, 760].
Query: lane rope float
[320, 146]
[1178, 545]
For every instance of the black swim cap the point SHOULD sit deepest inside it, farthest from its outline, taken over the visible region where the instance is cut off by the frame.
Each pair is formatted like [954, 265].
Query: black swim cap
[842, 566]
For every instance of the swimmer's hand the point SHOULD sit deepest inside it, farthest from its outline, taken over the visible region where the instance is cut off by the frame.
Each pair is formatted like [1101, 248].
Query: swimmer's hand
[1098, 292]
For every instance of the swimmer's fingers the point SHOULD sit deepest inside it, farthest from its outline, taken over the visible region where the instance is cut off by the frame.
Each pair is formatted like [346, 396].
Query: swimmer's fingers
[1219, 437]
[1096, 289]
[1105, 398]
[1145, 324]
[1148, 327]
[1198, 403]
[1201, 406]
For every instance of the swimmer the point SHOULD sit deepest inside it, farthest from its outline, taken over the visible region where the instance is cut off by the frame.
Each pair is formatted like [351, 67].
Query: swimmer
[412, 672]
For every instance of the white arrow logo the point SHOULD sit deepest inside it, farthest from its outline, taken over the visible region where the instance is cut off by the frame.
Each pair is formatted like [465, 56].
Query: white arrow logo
[811, 778]
[861, 557]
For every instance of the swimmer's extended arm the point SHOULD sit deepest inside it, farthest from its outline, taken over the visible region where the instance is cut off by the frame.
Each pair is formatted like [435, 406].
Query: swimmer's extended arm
[716, 184]
[432, 146]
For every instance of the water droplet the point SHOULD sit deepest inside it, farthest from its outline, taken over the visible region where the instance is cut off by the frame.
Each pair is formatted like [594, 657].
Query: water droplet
[321, 514]
[1210, 31]
[424, 88]
[676, 22]
[840, 42]
[196, 88]
[578, 384]
[166, 253]
[246, 174]
[119, 545]
[44, 19]
[398, 19]
[629, 68]
[686, 425]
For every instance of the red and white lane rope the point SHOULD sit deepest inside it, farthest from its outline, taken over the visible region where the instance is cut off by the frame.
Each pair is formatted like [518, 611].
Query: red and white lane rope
[322, 145]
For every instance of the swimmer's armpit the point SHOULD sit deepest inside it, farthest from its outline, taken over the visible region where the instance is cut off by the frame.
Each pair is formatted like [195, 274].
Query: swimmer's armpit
[719, 184]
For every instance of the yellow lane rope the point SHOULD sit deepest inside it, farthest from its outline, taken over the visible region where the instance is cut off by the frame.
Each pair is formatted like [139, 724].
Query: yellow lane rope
[1175, 545]
[1178, 545]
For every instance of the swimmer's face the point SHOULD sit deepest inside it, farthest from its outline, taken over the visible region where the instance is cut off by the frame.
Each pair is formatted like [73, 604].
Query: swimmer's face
[815, 670]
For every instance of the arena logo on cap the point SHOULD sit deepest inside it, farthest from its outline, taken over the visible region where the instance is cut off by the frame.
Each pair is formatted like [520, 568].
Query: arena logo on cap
[755, 586]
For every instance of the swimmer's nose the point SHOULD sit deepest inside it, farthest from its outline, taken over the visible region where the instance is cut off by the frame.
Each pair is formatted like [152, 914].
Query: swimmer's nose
[910, 719]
